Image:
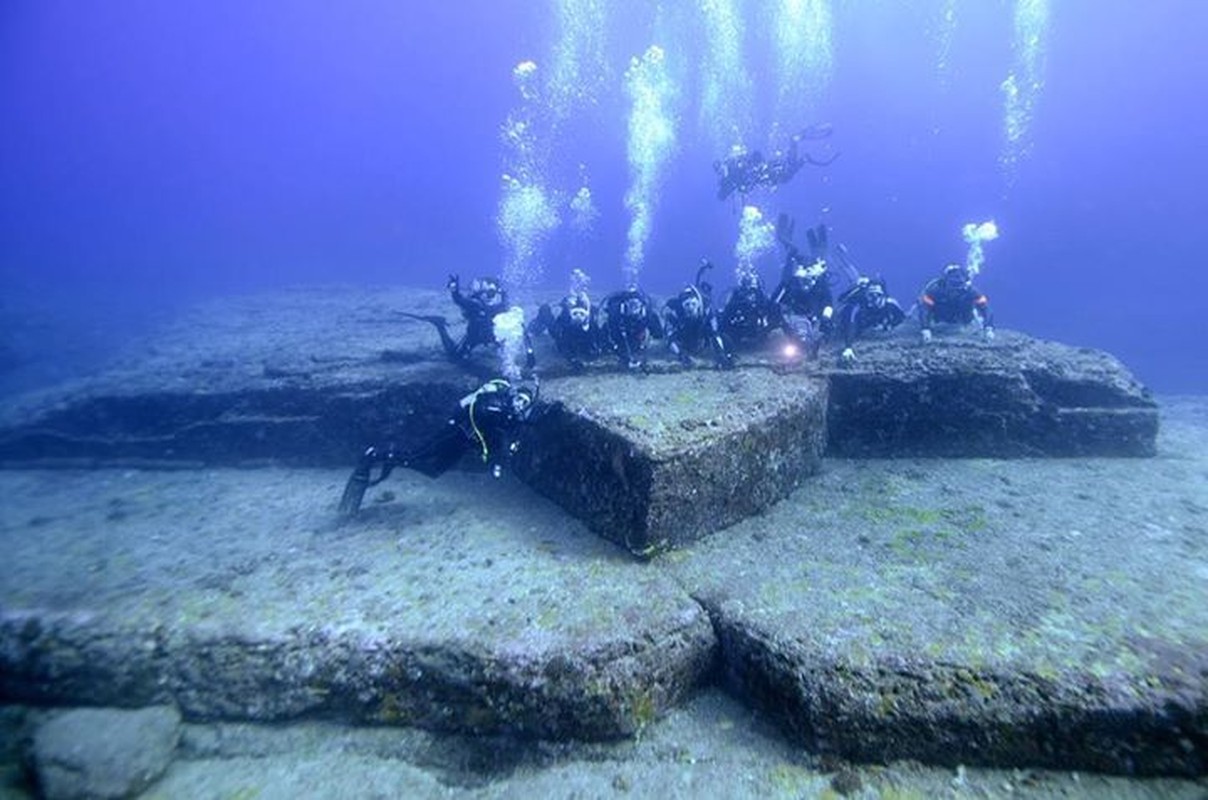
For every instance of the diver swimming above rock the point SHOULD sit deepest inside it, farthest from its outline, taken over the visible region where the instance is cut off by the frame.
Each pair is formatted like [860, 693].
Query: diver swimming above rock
[487, 421]
[480, 309]
[804, 293]
[744, 170]
[574, 327]
[749, 315]
[953, 299]
[691, 323]
[864, 306]
[631, 320]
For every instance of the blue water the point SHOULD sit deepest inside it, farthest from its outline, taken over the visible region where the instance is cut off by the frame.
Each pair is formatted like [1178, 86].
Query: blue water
[153, 154]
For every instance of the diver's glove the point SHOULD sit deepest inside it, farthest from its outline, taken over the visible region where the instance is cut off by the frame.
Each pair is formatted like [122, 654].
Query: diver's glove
[454, 282]
[988, 333]
[847, 357]
[926, 335]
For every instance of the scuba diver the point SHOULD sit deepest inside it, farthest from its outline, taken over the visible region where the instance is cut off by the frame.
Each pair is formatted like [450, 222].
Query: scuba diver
[630, 321]
[740, 172]
[952, 298]
[804, 292]
[864, 305]
[486, 420]
[749, 315]
[575, 329]
[691, 324]
[743, 171]
[486, 300]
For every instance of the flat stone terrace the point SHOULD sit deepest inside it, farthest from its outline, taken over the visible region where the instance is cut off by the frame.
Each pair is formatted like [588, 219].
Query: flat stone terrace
[1009, 612]
[650, 460]
[1004, 612]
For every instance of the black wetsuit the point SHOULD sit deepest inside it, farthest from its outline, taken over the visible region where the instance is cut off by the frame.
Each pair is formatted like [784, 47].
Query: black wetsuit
[485, 422]
[953, 302]
[479, 310]
[748, 317]
[631, 321]
[808, 299]
[578, 343]
[692, 334]
[860, 311]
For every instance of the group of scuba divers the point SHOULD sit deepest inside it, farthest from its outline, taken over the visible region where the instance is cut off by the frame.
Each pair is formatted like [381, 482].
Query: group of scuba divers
[803, 308]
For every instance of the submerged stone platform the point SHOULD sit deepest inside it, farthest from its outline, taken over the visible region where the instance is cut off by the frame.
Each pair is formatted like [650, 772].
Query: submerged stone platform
[679, 458]
[238, 595]
[1048, 613]
[960, 397]
[649, 460]
[1018, 612]
[1015, 613]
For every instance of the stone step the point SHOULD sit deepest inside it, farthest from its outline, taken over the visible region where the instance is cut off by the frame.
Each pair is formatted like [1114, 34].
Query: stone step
[959, 397]
[1014, 613]
[650, 461]
[239, 595]
[654, 462]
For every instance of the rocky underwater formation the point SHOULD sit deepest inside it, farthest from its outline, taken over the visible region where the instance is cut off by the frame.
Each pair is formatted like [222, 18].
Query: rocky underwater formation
[944, 552]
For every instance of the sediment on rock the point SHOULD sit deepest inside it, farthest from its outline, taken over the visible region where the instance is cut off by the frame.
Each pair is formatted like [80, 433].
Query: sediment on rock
[1019, 397]
[949, 714]
[675, 457]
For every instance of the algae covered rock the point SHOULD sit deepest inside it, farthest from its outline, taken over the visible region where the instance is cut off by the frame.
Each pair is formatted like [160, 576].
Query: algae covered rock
[654, 461]
[961, 397]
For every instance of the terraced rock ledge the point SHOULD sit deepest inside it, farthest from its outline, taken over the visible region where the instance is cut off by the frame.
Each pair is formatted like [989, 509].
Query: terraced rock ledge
[649, 461]
[960, 397]
[985, 610]
[237, 595]
[684, 456]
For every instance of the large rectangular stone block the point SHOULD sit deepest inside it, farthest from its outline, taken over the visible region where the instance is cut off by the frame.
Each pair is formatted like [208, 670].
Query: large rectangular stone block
[960, 397]
[655, 461]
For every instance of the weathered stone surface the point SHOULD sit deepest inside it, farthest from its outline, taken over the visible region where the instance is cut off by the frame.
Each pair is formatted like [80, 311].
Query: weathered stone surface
[298, 378]
[104, 752]
[1047, 613]
[1012, 613]
[657, 461]
[710, 747]
[288, 425]
[238, 595]
[648, 461]
[959, 397]
[904, 707]
[309, 377]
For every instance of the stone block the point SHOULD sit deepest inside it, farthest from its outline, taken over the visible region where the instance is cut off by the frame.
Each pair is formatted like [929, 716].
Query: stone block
[656, 461]
[961, 397]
